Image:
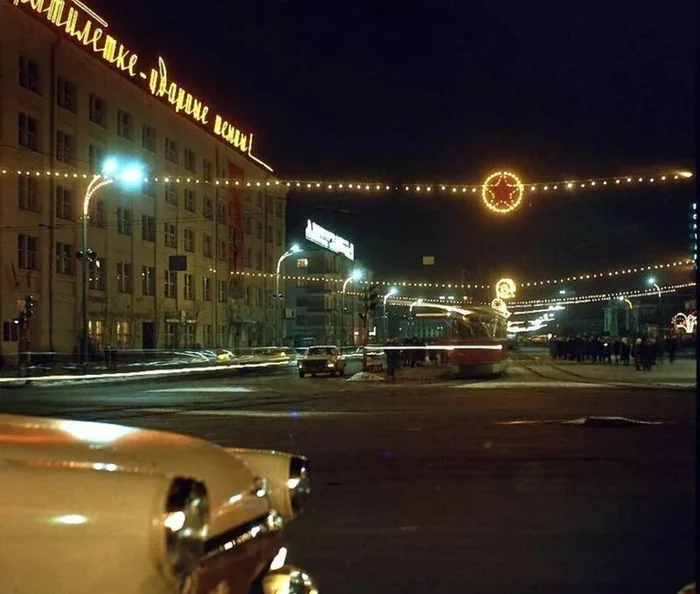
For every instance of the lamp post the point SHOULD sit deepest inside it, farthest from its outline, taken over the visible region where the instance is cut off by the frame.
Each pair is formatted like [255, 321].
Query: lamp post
[393, 291]
[278, 297]
[112, 171]
[652, 282]
[354, 276]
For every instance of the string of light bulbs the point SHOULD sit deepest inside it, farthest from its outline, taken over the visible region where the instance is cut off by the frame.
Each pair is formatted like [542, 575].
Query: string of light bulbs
[607, 274]
[374, 186]
[666, 289]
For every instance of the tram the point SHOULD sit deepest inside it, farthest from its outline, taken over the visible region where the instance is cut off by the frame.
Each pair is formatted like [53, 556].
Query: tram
[475, 339]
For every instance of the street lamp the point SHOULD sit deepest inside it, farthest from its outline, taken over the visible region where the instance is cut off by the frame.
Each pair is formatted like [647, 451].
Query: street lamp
[278, 297]
[652, 281]
[393, 291]
[129, 175]
[355, 275]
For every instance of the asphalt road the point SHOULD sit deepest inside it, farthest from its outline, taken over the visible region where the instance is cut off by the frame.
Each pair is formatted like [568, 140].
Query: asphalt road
[437, 487]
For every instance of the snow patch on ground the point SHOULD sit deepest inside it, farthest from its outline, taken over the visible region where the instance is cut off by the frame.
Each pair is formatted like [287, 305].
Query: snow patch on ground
[363, 376]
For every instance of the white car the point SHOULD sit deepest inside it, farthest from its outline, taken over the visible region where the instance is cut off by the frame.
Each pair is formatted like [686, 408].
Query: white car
[94, 507]
[322, 359]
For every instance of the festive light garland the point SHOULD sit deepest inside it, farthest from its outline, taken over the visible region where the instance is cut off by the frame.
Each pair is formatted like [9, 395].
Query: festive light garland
[407, 301]
[375, 186]
[582, 277]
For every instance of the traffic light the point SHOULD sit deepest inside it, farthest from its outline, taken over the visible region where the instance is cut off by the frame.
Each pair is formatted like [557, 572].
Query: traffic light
[372, 297]
[21, 320]
[29, 306]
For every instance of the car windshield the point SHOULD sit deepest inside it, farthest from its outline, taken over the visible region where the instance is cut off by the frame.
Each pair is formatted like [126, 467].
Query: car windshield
[321, 351]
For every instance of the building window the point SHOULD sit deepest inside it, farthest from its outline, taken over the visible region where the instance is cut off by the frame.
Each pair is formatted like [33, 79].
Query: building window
[64, 203]
[148, 281]
[124, 335]
[10, 332]
[66, 94]
[98, 110]
[124, 277]
[207, 169]
[65, 259]
[190, 161]
[248, 295]
[170, 235]
[221, 212]
[223, 249]
[268, 236]
[148, 138]
[260, 230]
[248, 196]
[249, 258]
[221, 291]
[190, 202]
[208, 208]
[223, 335]
[171, 150]
[188, 336]
[188, 290]
[189, 240]
[207, 336]
[97, 278]
[260, 261]
[28, 252]
[96, 157]
[124, 220]
[206, 288]
[170, 284]
[148, 188]
[170, 335]
[29, 74]
[125, 125]
[28, 193]
[28, 133]
[171, 193]
[259, 198]
[258, 296]
[303, 263]
[65, 147]
[148, 228]
[207, 245]
[97, 213]
[96, 333]
[278, 237]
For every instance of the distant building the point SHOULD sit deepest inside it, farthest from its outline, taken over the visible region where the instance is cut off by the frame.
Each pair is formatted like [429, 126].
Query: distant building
[65, 104]
[314, 300]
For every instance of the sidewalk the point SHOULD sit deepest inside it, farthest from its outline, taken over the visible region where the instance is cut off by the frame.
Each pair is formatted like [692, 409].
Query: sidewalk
[682, 372]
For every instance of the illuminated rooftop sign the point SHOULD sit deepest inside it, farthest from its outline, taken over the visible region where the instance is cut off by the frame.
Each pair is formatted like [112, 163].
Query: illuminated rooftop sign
[320, 236]
[88, 29]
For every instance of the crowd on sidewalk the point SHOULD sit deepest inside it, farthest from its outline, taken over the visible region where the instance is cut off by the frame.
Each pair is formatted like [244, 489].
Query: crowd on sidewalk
[643, 351]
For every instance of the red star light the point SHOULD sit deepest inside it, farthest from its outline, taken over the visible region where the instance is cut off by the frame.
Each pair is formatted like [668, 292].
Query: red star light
[502, 192]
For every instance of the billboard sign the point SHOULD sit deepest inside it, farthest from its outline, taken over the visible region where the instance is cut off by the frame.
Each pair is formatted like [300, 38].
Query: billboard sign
[320, 236]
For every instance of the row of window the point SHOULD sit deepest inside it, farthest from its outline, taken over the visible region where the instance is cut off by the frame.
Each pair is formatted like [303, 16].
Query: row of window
[28, 198]
[176, 335]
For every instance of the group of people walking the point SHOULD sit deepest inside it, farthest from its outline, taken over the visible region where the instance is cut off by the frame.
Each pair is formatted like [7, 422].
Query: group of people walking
[643, 351]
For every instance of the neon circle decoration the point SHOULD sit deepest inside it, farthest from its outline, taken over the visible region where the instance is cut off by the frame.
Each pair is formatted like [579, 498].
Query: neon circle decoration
[502, 192]
[505, 289]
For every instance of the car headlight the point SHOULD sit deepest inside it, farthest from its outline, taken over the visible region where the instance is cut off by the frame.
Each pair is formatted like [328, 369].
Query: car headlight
[186, 524]
[331, 364]
[298, 482]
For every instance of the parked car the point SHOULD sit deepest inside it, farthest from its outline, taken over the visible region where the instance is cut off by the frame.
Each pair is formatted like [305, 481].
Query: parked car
[322, 359]
[95, 507]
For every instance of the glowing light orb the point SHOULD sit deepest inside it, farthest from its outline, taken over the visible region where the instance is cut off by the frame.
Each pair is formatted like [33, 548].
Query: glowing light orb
[502, 192]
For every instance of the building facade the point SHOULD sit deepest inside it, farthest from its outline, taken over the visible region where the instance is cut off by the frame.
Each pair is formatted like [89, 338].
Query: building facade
[316, 311]
[66, 103]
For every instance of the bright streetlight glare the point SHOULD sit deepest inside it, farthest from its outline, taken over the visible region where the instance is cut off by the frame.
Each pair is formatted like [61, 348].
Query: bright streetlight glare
[131, 176]
[652, 280]
[393, 291]
[295, 249]
[111, 166]
[357, 274]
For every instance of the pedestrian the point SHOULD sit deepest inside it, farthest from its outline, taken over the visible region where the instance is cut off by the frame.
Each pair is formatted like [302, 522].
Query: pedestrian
[616, 348]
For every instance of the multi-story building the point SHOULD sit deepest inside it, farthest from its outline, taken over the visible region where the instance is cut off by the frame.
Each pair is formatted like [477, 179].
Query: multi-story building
[316, 310]
[70, 95]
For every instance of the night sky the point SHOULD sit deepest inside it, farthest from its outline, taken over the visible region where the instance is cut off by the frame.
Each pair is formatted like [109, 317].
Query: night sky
[448, 92]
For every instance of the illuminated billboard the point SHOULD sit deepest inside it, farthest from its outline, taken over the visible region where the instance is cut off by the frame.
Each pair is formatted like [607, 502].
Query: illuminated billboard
[320, 236]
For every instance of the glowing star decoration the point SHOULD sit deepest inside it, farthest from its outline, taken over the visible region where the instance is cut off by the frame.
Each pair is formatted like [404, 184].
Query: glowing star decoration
[687, 323]
[502, 192]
